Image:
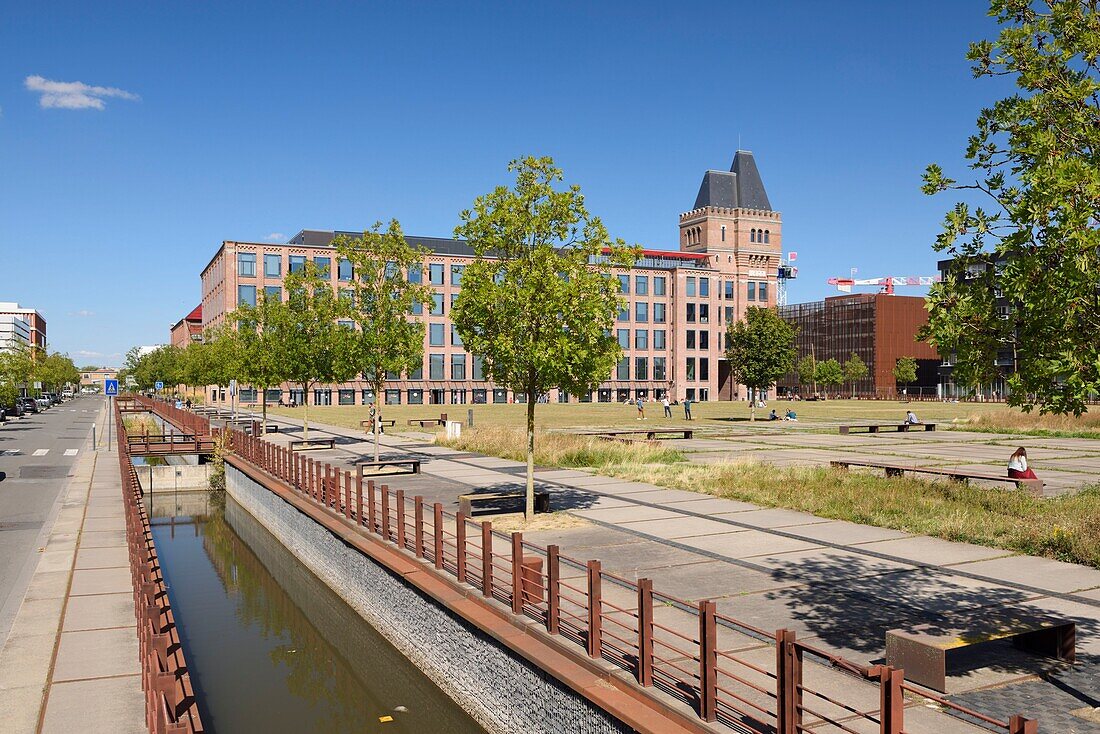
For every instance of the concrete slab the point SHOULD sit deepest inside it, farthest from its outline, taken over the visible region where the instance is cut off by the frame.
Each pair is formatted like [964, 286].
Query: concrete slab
[1042, 573]
[103, 539]
[116, 705]
[704, 505]
[934, 551]
[746, 544]
[101, 581]
[96, 654]
[677, 527]
[774, 518]
[100, 611]
[841, 532]
[102, 558]
[629, 513]
[96, 524]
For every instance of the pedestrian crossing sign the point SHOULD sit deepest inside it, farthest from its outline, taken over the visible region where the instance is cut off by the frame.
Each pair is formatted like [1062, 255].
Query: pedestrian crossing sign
[110, 387]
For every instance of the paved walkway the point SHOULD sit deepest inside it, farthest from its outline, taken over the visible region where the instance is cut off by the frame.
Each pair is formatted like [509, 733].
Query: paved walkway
[839, 585]
[71, 662]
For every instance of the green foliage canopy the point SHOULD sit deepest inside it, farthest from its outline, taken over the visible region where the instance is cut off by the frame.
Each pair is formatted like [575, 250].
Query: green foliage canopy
[760, 350]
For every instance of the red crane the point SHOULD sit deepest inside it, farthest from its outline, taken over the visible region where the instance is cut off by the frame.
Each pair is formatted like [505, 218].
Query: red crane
[886, 284]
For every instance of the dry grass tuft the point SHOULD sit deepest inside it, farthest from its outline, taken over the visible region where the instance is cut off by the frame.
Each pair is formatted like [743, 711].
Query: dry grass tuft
[139, 424]
[1085, 426]
[561, 449]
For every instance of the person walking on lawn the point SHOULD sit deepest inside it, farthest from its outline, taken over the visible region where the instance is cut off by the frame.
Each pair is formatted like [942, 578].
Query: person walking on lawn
[668, 408]
[641, 408]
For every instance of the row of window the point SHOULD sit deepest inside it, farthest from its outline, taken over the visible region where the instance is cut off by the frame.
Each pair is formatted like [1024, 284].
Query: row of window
[760, 235]
[273, 268]
[459, 396]
[641, 338]
[660, 372]
[641, 285]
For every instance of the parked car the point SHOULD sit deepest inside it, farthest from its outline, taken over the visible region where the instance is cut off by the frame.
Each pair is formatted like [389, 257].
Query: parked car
[42, 403]
[28, 405]
[66, 394]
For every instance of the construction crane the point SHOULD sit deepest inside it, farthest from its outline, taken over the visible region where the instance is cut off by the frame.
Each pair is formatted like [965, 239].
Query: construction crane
[886, 284]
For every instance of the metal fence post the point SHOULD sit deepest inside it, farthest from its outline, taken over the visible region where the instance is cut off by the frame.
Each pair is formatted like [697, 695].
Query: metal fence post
[372, 508]
[487, 559]
[517, 573]
[708, 662]
[418, 513]
[892, 712]
[347, 495]
[645, 632]
[788, 678]
[359, 498]
[437, 531]
[384, 490]
[460, 546]
[1019, 725]
[595, 609]
[399, 510]
[553, 600]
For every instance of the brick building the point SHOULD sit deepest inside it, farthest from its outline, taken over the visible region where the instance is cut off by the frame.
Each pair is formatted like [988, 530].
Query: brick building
[678, 302]
[187, 329]
[877, 327]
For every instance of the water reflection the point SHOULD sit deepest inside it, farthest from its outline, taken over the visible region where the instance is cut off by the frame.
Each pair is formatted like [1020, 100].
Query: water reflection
[273, 649]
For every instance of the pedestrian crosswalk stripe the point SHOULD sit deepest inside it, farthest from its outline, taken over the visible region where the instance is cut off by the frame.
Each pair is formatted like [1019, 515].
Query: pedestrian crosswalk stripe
[70, 452]
[9, 452]
[41, 452]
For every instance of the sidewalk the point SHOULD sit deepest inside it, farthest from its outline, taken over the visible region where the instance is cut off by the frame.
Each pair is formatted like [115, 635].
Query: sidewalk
[840, 585]
[71, 662]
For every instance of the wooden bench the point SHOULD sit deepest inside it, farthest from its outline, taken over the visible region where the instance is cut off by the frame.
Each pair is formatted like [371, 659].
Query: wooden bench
[412, 464]
[425, 422]
[466, 502]
[304, 444]
[899, 427]
[925, 652]
[1034, 486]
[383, 423]
[651, 434]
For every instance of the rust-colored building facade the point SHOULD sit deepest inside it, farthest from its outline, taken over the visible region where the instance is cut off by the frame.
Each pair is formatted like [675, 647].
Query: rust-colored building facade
[879, 328]
[187, 329]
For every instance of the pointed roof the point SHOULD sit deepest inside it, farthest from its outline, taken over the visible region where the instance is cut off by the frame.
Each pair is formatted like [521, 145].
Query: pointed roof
[195, 315]
[740, 187]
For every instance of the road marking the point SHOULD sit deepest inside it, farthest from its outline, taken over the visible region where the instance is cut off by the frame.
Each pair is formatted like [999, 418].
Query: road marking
[10, 452]
[70, 452]
[41, 452]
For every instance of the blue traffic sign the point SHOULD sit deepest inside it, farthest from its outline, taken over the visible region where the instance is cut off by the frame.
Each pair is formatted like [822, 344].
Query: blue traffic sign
[159, 385]
[110, 387]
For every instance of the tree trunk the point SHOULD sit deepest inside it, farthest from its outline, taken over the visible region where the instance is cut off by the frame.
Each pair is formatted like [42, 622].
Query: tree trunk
[377, 414]
[305, 412]
[263, 430]
[529, 502]
[752, 404]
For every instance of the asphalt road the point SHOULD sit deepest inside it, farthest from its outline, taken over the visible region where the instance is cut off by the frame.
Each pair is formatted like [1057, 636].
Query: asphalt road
[37, 454]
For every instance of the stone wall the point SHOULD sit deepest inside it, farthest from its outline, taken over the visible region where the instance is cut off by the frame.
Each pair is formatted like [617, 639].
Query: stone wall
[498, 689]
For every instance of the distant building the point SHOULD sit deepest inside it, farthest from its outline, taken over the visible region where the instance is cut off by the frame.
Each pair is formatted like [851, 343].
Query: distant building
[879, 328]
[188, 329]
[35, 321]
[14, 331]
[678, 302]
[95, 378]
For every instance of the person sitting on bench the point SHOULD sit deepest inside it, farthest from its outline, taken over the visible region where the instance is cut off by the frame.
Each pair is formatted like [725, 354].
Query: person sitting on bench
[911, 418]
[1017, 465]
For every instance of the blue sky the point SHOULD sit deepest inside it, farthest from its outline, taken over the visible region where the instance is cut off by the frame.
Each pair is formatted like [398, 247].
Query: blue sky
[247, 120]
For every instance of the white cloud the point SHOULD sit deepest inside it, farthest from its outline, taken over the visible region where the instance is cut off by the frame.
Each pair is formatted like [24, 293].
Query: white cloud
[86, 353]
[73, 95]
[83, 313]
[274, 236]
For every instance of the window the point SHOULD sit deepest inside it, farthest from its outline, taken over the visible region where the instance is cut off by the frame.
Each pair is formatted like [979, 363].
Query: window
[659, 369]
[624, 315]
[704, 287]
[641, 311]
[690, 371]
[658, 313]
[323, 266]
[752, 235]
[246, 294]
[435, 273]
[368, 396]
[641, 285]
[391, 269]
[691, 313]
[346, 397]
[641, 339]
[347, 295]
[704, 368]
[641, 368]
[297, 262]
[478, 368]
[346, 323]
[624, 285]
[273, 266]
[658, 285]
[704, 340]
[435, 366]
[690, 338]
[762, 292]
[417, 308]
[416, 274]
[752, 291]
[623, 336]
[435, 335]
[454, 297]
[480, 396]
[456, 274]
[690, 285]
[416, 397]
[622, 369]
[723, 233]
[437, 304]
[458, 366]
[273, 293]
[456, 340]
[729, 285]
[729, 314]
[704, 313]
[344, 271]
[417, 373]
[500, 395]
[393, 397]
[659, 339]
[246, 264]
[767, 235]
[273, 395]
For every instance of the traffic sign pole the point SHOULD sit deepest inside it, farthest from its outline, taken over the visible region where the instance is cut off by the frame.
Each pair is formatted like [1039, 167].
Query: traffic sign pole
[110, 389]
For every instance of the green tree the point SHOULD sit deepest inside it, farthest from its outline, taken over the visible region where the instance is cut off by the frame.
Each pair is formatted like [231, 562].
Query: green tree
[16, 370]
[855, 369]
[387, 290]
[89, 368]
[258, 362]
[760, 350]
[539, 300]
[223, 354]
[807, 371]
[905, 371]
[312, 347]
[829, 373]
[158, 365]
[1036, 158]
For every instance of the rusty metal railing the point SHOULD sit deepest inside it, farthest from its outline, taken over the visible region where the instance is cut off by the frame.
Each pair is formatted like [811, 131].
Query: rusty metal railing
[170, 705]
[183, 419]
[729, 671]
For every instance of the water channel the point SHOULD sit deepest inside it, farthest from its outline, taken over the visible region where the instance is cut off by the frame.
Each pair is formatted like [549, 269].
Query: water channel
[269, 646]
